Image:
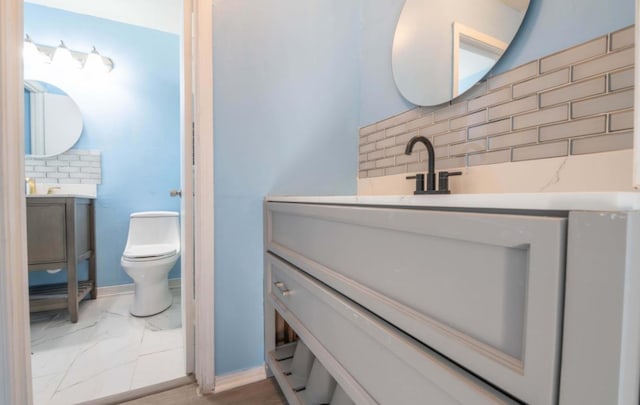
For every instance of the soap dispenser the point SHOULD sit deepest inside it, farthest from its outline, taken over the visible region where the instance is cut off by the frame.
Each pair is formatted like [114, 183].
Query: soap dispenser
[30, 185]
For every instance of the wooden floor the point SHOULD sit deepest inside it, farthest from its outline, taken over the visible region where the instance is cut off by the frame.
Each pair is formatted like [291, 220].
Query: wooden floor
[264, 392]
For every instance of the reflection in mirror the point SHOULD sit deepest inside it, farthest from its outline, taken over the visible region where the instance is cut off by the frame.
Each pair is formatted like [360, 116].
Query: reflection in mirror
[53, 122]
[441, 48]
[474, 54]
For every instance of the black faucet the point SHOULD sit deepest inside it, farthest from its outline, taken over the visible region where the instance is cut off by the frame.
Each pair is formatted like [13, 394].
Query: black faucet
[431, 174]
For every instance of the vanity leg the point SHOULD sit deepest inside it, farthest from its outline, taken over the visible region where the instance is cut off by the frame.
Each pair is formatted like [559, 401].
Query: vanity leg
[72, 288]
[72, 262]
[92, 246]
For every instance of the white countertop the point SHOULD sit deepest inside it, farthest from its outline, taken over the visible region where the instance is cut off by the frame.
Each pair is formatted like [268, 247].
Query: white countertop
[604, 201]
[73, 195]
[65, 190]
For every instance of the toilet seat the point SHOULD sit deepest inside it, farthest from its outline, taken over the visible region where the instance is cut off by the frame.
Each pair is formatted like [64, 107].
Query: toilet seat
[143, 253]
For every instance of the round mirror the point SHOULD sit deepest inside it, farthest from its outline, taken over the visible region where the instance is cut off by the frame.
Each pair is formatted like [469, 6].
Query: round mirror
[441, 48]
[52, 120]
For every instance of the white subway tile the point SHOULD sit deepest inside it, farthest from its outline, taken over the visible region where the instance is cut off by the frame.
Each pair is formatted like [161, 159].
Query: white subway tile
[58, 163]
[46, 169]
[80, 163]
[55, 175]
[68, 169]
[69, 157]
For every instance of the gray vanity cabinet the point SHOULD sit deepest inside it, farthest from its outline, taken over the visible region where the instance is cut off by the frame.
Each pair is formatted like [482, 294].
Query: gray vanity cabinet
[61, 234]
[408, 303]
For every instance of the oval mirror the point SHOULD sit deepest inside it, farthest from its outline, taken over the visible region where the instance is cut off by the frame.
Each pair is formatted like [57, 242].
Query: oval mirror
[441, 48]
[53, 122]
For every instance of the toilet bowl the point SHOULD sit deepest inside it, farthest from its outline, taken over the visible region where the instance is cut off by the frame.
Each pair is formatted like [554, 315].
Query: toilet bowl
[152, 249]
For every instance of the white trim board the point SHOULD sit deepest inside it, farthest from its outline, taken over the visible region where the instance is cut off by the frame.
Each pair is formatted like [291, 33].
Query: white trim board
[203, 193]
[636, 114]
[240, 378]
[123, 289]
[15, 360]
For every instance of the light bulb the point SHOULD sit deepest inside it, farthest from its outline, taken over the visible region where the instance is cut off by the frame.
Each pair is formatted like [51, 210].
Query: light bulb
[95, 63]
[62, 57]
[31, 53]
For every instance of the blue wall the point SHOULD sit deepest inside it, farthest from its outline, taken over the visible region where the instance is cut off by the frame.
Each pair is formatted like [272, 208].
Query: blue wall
[132, 115]
[293, 82]
[286, 118]
[550, 26]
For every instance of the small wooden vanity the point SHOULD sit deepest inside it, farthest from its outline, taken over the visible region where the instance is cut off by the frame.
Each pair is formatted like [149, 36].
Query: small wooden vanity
[60, 235]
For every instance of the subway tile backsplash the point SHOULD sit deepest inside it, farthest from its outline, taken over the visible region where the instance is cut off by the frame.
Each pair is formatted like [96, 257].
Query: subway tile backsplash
[76, 166]
[577, 101]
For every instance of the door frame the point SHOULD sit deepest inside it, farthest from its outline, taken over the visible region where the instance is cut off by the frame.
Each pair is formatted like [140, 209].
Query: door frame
[636, 114]
[15, 350]
[15, 359]
[202, 112]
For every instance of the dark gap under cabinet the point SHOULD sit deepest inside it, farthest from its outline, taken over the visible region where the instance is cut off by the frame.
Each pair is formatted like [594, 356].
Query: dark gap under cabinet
[61, 234]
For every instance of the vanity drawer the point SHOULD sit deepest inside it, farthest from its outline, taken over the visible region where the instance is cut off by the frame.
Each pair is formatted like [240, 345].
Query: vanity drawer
[388, 366]
[484, 290]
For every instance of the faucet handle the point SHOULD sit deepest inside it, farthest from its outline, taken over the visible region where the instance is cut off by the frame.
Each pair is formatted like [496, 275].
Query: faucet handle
[443, 180]
[419, 177]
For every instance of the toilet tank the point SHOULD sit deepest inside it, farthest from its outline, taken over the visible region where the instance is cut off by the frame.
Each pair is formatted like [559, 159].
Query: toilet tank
[154, 227]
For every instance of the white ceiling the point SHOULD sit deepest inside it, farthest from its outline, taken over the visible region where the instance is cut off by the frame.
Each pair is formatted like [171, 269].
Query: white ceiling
[162, 15]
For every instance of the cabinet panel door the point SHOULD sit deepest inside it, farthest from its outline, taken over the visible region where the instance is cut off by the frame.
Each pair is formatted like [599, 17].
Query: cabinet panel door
[46, 233]
[392, 367]
[482, 289]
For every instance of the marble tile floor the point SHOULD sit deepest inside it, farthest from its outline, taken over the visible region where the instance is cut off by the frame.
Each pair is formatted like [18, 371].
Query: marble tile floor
[107, 352]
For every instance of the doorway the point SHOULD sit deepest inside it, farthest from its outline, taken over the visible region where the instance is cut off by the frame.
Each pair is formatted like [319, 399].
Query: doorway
[130, 146]
[16, 389]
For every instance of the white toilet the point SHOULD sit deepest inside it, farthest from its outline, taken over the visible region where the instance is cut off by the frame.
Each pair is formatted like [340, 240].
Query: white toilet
[153, 248]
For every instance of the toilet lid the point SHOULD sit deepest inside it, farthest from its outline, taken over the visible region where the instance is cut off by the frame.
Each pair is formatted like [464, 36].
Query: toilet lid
[156, 251]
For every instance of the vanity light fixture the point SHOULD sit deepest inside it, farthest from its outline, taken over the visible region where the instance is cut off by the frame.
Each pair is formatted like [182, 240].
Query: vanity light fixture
[96, 63]
[63, 57]
[31, 53]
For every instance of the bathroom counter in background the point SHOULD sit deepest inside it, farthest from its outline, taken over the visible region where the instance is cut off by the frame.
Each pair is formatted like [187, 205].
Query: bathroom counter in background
[63, 195]
[535, 293]
[60, 234]
[605, 201]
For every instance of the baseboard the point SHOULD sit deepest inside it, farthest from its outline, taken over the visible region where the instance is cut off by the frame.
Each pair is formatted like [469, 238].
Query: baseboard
[240, 378]
[123, 289]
